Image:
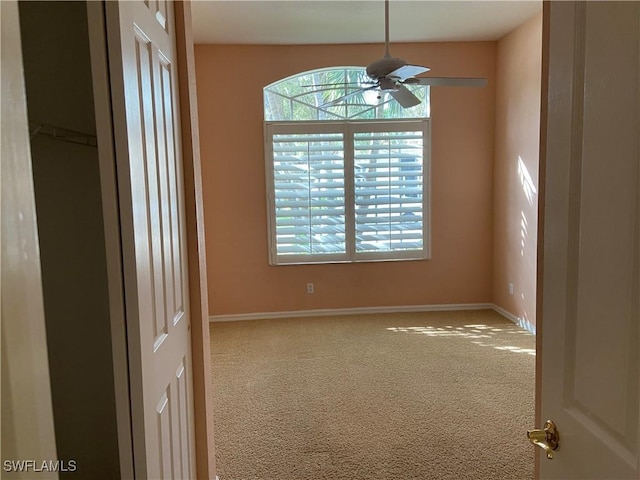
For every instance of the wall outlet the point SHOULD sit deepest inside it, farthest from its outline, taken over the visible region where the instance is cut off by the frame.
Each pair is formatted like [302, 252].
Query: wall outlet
[309, 287]
[511, 289]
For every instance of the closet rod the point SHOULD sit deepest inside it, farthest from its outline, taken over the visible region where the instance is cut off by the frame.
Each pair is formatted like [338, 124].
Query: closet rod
[64, 134]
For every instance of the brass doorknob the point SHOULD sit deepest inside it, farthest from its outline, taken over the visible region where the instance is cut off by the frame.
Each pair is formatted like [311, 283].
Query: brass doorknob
[547, 438]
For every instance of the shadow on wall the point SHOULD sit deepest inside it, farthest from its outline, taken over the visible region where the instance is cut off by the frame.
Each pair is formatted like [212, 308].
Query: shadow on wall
[530, 194]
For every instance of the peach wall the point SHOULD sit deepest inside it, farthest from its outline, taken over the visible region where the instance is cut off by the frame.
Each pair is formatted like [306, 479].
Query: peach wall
[518, 83]
[230, 81]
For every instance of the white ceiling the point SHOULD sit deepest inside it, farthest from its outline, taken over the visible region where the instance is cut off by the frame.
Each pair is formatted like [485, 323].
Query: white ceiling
[276, 22]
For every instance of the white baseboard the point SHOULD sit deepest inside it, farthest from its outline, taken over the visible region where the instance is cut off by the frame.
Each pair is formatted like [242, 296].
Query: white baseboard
[364, 310]
[520, 321]
[349, 311]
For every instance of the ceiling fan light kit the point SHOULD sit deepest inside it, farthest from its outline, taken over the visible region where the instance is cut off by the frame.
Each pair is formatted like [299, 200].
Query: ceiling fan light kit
[390, 74]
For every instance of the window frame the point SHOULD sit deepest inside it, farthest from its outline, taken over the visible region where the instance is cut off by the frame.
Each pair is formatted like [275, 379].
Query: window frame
[348, 128]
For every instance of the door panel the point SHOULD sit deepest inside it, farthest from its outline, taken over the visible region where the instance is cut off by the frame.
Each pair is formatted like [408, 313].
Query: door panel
[151, 192]
[590, 375]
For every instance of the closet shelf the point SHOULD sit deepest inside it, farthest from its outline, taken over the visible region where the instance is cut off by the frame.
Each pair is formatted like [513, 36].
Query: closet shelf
[63, 134]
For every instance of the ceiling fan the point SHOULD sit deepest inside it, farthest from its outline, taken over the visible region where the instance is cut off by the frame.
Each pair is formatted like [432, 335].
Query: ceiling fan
[391, 74]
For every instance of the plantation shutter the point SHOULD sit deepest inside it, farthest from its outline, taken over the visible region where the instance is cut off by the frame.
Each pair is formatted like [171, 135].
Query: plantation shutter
[309, 194]
[346, 192]
[389, 206]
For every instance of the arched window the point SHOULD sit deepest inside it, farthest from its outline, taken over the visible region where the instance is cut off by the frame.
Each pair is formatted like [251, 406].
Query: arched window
[302, 97]
[346, 180]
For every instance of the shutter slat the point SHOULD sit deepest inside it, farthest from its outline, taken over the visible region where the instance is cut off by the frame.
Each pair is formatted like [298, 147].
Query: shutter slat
[394, 221]
[387, 136]
[393, 193]
[302, 218]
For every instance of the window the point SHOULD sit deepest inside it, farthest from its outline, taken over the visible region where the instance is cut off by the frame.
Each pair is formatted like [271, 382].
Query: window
[301, 98]
[349, 190]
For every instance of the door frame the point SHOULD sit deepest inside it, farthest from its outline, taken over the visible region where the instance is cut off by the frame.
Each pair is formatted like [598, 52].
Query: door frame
[28, 430]
[542, 163]
[196, 251]
[96, 22]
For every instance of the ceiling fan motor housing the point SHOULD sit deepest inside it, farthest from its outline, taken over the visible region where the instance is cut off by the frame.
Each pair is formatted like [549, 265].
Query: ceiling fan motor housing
[383, 67]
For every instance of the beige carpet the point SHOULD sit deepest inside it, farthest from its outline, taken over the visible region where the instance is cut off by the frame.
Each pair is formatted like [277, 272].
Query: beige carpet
[441, 395]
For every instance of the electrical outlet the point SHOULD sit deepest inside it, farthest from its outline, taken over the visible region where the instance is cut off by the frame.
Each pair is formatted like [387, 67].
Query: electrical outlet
[511, 289]
[309, 287]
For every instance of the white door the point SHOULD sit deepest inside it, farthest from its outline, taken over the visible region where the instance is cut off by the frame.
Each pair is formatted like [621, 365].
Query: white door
[27, 412]
[590, 289]
[150, 186]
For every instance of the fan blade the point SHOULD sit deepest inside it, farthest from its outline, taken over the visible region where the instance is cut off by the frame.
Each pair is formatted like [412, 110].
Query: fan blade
[407, 71]
[348, 95]
[404, 97]
[447, 81]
